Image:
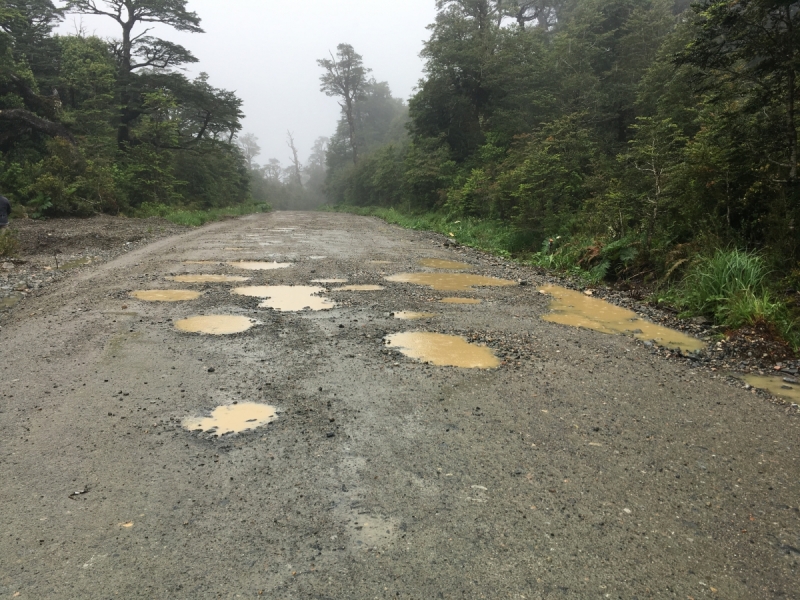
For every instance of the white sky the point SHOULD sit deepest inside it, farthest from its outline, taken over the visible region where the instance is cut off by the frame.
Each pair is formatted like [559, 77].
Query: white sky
[266, 51]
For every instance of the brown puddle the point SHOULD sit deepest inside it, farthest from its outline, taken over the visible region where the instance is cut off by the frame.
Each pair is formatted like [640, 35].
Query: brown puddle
[208, 279]
[329, 281]
[450, 282]
[443, 350]
[234, 419]
[215, 325]
[166, 295]
[460, 301]
[775, 386]
[259, 266]
[407, 315]
[435, 263]
[579, 310]
[359, 288]
[286, 298]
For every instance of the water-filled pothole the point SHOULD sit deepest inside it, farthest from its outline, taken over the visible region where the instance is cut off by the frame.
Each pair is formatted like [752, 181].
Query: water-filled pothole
[460, 301]
[208, 279]
[775, 386]
[443, 350]
[215, 324]
[166, 295]
[450, 282]
[259, 266]
[570, 307]
[407, 315]
[235, 418]
[447, 265]
[286, 298]
[359, 288]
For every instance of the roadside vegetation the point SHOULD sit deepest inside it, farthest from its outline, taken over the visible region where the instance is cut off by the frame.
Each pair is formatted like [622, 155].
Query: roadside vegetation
[628, 142]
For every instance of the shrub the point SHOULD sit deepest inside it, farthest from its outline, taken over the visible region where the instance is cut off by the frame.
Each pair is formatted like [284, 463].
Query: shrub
[9, 244]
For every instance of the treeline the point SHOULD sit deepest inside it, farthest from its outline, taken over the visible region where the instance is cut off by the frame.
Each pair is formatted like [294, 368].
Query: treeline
[89, 125]
[638, 133]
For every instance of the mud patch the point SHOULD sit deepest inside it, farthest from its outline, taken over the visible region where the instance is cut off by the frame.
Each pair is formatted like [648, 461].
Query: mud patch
[406, 315]
[447, 265]
[450, 282]
[166, 295]
[215, 325]
[443, 350]
[235, 418]
[775, 386]
[359, 288]
[208, 279]
[460, 301]
[259, 266]
[286, 298]
[572, 308]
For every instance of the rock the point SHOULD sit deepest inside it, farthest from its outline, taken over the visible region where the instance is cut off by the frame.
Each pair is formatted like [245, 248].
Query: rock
[7, 266]
[211, 370]
[330, 434]
[523, 282]
[790, 380]
[648, 344]
[701, 321]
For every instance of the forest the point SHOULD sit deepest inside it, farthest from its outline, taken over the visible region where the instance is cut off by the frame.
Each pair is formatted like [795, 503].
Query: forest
[649, 141]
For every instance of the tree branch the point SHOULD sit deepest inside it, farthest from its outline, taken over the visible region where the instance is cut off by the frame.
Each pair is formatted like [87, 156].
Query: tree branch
[19, 115]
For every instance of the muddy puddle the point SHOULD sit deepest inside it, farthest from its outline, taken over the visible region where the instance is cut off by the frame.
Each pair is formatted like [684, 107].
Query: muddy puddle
[460, 301]
[235, 418]
[359, 288]
[10, 301]
[286, 298]
[447, 265]
[329, 281]
[407, 315]
[775, 386]
[166, 295]
[259, 266]
[450, 282]
[573, 308]
[208, 279]
[443, 350]
[215, 324]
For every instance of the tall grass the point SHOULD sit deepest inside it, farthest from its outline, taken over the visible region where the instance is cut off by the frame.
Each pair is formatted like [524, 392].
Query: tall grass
[195, 218]
[9, 244]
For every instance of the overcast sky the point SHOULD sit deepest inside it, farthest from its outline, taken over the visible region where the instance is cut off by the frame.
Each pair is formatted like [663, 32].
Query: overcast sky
[266, 51]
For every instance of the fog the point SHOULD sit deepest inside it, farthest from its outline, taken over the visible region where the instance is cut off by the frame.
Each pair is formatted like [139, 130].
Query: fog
[267, 51]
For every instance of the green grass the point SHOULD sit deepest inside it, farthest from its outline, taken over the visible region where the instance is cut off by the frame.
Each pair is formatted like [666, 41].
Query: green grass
[196, 218]
[9, 244]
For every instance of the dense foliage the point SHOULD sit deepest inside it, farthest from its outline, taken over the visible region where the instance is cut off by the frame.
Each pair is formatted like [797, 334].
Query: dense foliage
[88, 125]
[631, 134]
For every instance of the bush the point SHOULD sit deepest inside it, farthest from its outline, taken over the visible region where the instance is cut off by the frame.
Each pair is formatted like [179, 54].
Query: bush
[9, 244]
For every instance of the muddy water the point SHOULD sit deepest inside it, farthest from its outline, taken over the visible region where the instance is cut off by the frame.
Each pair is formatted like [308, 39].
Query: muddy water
[460, 301]
[234, 419]
[450, 282]
[215, 325]
[166, 295]
[259, 266]
[443, 350]
[209, 279]
[287, 298]
[359, 288]
[775, 386]
[573, 308]
[447, 265]
[406, 315]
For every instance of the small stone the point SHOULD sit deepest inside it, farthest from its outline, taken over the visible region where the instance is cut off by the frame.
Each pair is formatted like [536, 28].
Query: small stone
[330, 434]
[7, 266]
[211, 370]
[790, 380]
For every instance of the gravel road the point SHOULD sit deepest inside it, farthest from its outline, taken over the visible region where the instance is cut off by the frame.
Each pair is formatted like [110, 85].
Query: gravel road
[584, 466]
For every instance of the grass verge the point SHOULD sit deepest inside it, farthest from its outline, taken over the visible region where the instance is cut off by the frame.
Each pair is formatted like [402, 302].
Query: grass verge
[195, 218]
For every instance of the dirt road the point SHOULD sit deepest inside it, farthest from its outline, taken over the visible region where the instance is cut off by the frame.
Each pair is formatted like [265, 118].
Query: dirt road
[583, 466]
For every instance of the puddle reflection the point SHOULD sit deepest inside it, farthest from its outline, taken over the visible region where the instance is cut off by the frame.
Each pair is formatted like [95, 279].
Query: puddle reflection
[166, 295]
[406, 315]
[775, 386]
[286, 298]
[443, 350]
[450, 282]
[215, 325]
[234, 419]
[359, 288]
[259, 266]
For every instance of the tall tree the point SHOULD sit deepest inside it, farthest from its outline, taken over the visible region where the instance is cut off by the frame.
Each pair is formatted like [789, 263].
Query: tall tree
[297, 176]
[141, 51]
[345, 77]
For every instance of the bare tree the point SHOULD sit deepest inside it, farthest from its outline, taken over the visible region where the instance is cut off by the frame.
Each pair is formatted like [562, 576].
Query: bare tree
[345, 77]
[295, 160]
[248, 144]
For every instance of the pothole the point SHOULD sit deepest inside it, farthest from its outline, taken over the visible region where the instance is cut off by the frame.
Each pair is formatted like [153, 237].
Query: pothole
[235, 418]
[359, 288]
[166, 295]
[572, 308]
[288, 298]
[450, 282]
[259, 266]
[208, 279]
[443, 350]
[451, 265]
[215, 324]
[407, 315]
[460, 301]
[775, 386]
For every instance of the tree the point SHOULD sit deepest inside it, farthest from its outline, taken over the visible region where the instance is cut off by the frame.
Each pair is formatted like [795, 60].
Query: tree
[248, 144]
[345, 77]
[296, 175]
[141, 51]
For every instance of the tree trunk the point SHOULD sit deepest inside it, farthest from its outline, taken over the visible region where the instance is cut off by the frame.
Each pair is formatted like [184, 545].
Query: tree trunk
[351, 122]
[126, 115]
[790, 104]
